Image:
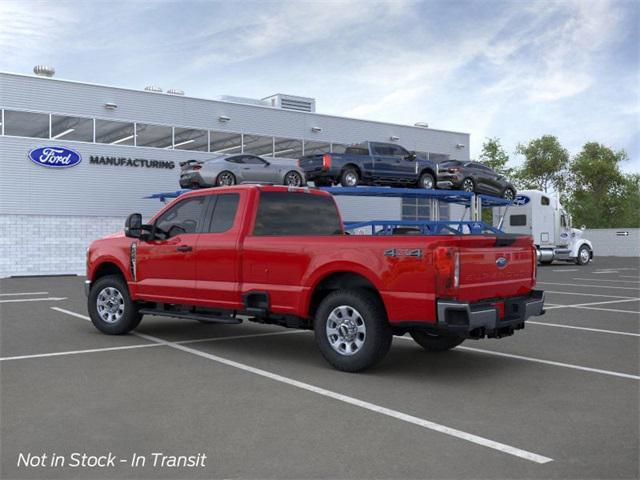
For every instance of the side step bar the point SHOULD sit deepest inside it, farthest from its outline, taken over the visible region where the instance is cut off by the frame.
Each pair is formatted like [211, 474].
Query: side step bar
[201, 317]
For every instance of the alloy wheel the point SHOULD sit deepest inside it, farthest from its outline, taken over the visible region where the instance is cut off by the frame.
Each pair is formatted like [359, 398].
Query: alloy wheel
[346, 330]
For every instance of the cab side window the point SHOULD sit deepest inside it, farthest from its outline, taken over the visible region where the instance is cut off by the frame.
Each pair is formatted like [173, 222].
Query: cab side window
[544, 200]
[182, 218]
[225, 207]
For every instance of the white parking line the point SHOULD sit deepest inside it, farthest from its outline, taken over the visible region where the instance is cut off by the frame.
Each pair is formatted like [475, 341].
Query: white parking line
[546, 362]
[76, 352]
[615, 310]
[568, 270]
[485, 442]
[601, 272]
[533, 457]
[628, 276]
[607, 280]
[585, 294]
[48, 299]
[237, 337]
[593, 286]
[597, 330]
[593, 303]
[550, 362]
[22, 293]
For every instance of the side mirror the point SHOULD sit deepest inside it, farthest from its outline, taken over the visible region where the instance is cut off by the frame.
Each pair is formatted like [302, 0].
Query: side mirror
[133, 226]
[411, 156]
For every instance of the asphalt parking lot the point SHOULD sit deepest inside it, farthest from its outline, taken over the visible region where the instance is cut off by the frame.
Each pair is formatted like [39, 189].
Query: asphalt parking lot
[557, 400]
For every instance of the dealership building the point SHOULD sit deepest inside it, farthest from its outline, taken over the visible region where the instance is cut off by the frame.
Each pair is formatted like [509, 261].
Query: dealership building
[128, 145]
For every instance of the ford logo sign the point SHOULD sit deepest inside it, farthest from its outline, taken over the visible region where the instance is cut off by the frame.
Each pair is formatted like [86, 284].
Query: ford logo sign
[501, 262]
[521, 200]
[55, 157]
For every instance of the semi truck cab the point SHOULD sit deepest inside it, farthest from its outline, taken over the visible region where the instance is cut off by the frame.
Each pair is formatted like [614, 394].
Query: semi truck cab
[542, 216]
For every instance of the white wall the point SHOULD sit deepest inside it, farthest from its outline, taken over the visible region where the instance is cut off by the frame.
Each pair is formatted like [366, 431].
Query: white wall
[606, 242]
[50, 245]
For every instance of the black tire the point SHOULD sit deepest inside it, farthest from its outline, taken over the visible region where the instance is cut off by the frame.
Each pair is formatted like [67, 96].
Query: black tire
[130, 317]
[468, 185]
[289, 176]
[508, 194]
[221, 179]
[427, 181]
[435, 343]
[349, 177]
[583, 258]
[377, 337]
[546, 262]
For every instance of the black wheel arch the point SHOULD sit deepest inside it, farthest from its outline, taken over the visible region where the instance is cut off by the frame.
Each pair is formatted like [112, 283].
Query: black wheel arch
[343, 280]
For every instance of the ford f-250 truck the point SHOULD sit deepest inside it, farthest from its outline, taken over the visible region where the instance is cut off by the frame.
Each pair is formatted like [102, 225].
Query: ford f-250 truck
[371, 163]
[280, 255]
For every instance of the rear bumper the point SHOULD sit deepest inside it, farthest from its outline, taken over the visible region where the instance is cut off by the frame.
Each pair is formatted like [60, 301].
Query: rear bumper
[189, 179]
[477, 320]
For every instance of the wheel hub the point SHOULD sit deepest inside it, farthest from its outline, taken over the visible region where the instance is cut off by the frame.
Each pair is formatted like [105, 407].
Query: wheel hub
[346, 330]
[110, 305]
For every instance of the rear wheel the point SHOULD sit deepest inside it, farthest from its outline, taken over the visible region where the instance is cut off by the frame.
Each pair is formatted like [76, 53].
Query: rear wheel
[110, 307]
[584, 255]
[293, 179]
[427, 181]
[468, 185]
[435, 343]
[349, 178]
[352, 330]
[225, 179]
[509, 194]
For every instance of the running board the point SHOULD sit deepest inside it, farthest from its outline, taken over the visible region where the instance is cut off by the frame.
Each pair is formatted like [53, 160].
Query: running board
[209, 318]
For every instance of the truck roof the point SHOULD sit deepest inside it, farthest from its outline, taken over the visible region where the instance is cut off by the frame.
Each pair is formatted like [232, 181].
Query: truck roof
[254, 186]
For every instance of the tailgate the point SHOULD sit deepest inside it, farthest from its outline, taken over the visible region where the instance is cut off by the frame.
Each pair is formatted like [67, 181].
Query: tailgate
[311, 163]
[496, 267]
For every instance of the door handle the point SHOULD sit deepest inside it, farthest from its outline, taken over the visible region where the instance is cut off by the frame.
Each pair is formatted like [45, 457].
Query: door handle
[184, 248]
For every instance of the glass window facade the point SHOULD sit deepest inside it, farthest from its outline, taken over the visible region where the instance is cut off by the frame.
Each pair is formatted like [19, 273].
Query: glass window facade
[117, 132]
[157, 136]
[26, 124]
[71, 128]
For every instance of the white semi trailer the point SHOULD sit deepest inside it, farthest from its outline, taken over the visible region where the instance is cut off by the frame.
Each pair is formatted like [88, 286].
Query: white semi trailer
[540, 215]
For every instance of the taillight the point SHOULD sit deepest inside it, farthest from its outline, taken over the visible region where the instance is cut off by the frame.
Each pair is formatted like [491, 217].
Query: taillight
[446, 261]
[299, 163]
[534, 261]
[454, 170]
[326, 161]
[196, 167]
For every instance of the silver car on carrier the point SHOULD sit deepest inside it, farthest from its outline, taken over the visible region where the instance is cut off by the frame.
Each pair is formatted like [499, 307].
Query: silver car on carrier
[238, 168]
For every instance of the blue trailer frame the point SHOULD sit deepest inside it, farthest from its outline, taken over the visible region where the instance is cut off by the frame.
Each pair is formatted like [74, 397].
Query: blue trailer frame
[474, 202]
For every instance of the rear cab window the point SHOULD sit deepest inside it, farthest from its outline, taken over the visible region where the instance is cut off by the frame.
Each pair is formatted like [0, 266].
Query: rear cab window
[296, 214]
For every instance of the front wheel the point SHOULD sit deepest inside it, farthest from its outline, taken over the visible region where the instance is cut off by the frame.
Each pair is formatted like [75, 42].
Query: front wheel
[584, 255]
[435, 343]
[468, 185]
[110, 307]
[427, 181]
[293, 179]
[509, 194]
[352, 330]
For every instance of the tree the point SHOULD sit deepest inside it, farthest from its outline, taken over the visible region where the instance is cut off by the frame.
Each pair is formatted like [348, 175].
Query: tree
[545, 164]
[495, 157]
[601, 195]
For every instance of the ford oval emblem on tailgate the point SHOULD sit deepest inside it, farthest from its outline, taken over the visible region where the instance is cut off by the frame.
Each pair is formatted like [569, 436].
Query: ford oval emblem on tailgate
[55, 157]
[501, 262]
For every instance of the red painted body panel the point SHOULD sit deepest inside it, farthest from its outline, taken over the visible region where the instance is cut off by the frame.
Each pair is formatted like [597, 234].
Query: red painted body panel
[224, 266]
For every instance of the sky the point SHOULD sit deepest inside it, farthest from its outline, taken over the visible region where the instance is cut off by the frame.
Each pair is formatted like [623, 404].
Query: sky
[509, 69]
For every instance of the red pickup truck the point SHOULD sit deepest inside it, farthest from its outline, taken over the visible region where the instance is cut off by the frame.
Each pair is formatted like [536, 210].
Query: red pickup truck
[280, 255]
